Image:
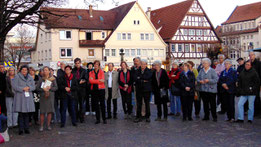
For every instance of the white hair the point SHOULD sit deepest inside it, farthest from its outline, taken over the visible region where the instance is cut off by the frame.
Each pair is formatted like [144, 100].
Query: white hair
[144, 60]
[252, 52]
[228, 61]
[175, 62]
[157, 62]
[221, 55]
[207, 60]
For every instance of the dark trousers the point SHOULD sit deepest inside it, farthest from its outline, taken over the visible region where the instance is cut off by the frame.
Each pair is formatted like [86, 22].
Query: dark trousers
[23, 121]
[197, 104]
[88, 97]
[126, 102]
[187, 103]
[79, 105]
[230, 105]
[99, 103]
[222, 101]
[3, 104]
[35, 115]
[146, 97]
[109, 104]
[165, 110]
[68, 102]
[209, 99]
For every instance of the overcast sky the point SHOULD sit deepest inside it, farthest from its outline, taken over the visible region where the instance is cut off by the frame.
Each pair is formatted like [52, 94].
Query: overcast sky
[217, 10]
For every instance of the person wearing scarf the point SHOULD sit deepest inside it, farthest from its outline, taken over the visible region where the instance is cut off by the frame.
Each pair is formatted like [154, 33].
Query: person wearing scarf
[69, 86]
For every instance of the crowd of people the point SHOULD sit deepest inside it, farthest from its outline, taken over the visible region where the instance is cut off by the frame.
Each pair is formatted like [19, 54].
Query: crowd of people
[24, 95]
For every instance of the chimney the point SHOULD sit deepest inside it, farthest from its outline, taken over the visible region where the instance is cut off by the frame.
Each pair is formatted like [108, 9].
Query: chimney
[148, 12]
[90, 10]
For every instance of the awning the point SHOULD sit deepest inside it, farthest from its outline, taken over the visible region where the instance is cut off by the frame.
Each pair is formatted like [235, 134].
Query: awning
[256, 50]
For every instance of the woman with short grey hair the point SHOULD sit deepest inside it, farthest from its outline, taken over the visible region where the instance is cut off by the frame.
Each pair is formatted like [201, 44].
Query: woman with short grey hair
[11, 115]
[208, 79]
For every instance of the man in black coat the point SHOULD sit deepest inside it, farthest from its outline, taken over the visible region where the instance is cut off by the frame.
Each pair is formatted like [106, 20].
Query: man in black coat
[256, 64]
[241, 66]
[143, 90]
[2, 88]
[79, 73]
[88, 109]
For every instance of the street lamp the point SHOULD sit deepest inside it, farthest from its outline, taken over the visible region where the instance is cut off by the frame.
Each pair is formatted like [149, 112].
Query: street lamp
[122, 54]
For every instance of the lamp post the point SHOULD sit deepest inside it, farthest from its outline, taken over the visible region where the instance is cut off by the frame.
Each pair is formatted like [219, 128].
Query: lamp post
[122, 54]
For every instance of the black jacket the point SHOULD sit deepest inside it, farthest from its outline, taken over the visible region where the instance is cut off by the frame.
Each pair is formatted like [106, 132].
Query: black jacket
[86, 78]
[82, 76]
[63, 84]
[248, 82]
[129, 83]
[143, 80]
[257, 66]
[60, 73]
[240, 69]
[164, 83]
[9, 92]
[2, 84]
[187, 81]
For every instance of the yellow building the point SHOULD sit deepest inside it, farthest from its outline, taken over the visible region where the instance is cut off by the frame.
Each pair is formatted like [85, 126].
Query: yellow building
[97, 35]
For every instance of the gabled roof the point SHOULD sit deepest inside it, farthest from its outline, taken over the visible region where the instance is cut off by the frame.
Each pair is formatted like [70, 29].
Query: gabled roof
[170, 18]
[245, 12]
[80, 18]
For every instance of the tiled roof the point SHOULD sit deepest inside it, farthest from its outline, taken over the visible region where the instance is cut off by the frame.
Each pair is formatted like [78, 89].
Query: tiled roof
[239, 32]
[245, 12]
[80, 18]
[169, 18]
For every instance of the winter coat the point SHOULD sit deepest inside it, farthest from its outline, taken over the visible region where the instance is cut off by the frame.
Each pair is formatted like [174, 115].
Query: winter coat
[143, 81]
[63, 84]
[248, 82]
[115, 85]
[187, 81]
[93, 80]
[9, 91]
[211, 75]
[229, 78]
[122, 81]
[163, 83]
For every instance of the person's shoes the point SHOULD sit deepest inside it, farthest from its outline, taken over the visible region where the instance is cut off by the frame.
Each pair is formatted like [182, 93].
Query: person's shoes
[137, 120]
[171, 114]
[205, 119]
[26, 131]
[250, 121]
[190, 119]
[97, 122]
[21, 132]
[214, 119]
[232, 120]
[49, 128]
[74, 124]
[147, 120]
[158, 119]
[104, 122]
[62, 125]
[41, 129]
[115, 117]
[87, 113]
[177, 114]
[239, 121]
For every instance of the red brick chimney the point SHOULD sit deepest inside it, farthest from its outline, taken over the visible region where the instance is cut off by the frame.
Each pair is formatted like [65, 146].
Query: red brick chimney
[90, 11]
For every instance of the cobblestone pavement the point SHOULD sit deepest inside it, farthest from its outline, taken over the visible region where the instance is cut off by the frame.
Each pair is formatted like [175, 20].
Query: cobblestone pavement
[126, 133]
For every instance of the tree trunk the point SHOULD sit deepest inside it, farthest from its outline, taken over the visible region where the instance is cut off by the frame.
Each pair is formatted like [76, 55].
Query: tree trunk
[2, 45]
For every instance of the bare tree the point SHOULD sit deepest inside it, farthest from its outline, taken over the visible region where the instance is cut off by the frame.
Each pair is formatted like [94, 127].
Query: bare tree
[13, 12]
[18, 47]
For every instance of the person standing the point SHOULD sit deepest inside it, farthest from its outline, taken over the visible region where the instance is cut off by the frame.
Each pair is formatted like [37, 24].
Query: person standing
[23, 86]
[207, 78]
[175, 103]
[97, 79]
[90, 109]
[46, 87]
[160, 87]
[228, 79]
[144, 88]
[187, 82]
[241, 66]
[248, 86]
[2, 88]
[11, 115]
[79, 73]
[125, 85]
[68, 87]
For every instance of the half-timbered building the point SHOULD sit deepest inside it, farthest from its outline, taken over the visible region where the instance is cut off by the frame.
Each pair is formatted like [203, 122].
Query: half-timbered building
[186, 29]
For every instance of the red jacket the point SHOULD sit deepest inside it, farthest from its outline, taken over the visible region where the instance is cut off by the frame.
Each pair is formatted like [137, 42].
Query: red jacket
[92, 79]
[173, 79]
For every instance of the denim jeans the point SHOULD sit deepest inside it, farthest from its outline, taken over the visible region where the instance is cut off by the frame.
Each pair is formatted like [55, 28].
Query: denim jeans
[11, 115]
[241, 102]
[175, 104]
[68, 102]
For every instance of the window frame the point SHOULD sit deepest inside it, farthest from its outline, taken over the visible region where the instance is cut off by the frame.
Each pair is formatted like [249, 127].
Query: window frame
[66, 50]
[65, 35]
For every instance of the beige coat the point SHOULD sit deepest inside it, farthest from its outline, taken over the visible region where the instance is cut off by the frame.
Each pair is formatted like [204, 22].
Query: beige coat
[115, 85]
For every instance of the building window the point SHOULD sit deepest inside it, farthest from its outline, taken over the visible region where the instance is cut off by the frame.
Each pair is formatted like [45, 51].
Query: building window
[118, 36]
[233, 54]
[138, 52]
[88, 35]
[253, 25]
[173, 49]
[199, 48]
[147, 37]
[50, 53]
[141, 36]
[185, 32]
[186, 48]
[123, 36]
[65, 53]
[134, 22]
[193, 48]
[138, 22]
[46, 55]
[129, 36]
[127, 52]
[151, 36]
[91, 53]
[180, 48]
[107, 52]
[191, 32]
[103, 34]
[65, 35]
[252, 37]
[161, 52]
[133, 52]
[144, 52]
[113, 52]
